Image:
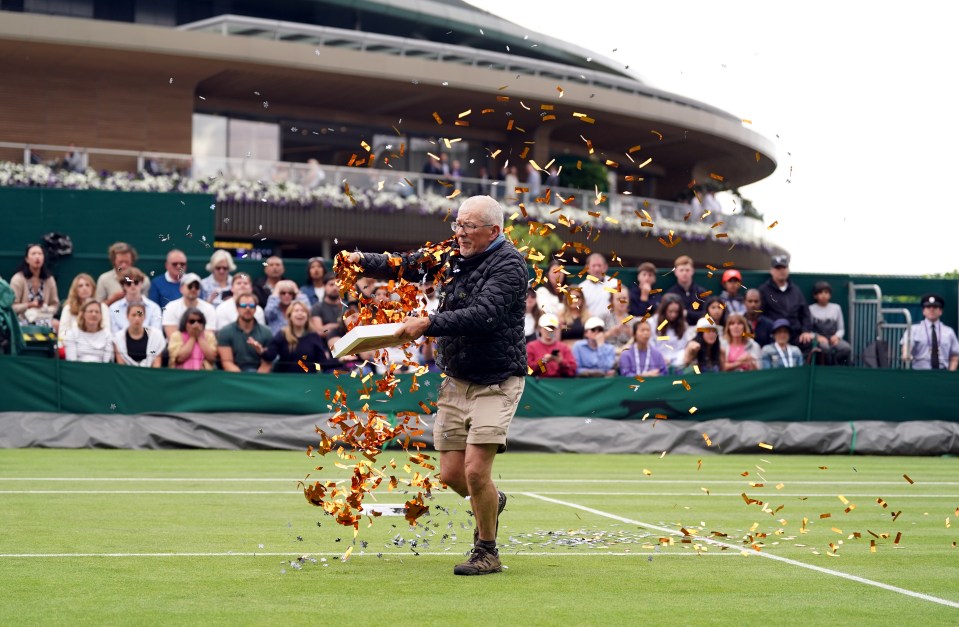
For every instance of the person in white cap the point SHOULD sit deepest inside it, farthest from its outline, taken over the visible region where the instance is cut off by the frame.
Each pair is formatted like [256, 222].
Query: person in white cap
[190, 289]
[594, 356]
[547, 355]
[705, 351]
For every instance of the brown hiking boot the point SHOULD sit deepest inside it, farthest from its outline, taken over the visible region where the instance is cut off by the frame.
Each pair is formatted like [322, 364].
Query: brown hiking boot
[481, 562]
[499, 510]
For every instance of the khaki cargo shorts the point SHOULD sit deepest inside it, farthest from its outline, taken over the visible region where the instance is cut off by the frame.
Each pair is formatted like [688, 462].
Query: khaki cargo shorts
[469, 413]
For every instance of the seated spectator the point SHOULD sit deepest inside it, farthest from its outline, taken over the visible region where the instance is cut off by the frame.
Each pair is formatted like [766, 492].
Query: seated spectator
[137, 345]
[741, 352]
[216, 287]
[284, 294]
[827, 324]
[81, 290]
[242, 343]
[574, 315]
[687, 289]
[551, 294]
[596, 284]
[641, 358]
[226, 312]
[642, 300]
[326, 316]
[315, 280]
[671, 332]
[109, 284]
[933, 345]
[190, 288]
[192, 346]
[759, 326]
[731, 294]
[532, 315]
[166, 287]
[364, 287]
[781, 354]
[594, 356]
[547, 356]
[782, 299]
[89, 341]
[273, 273]
[705, 351]
[715, 308]
[618, 333]
[35, 290]
[296, 348]
[133, 294]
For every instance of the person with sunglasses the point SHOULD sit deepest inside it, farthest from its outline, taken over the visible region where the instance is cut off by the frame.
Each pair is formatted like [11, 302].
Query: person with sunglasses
[481, 348]
[215, 287]
[166, 287]
[932, 345]
[193, 346]
[190, 288]
[132, 281]
[277, 303]
[241, 344]
[227, 312]
[138, 345]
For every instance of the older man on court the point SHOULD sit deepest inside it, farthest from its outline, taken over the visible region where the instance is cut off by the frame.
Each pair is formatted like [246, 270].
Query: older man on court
[481, 347]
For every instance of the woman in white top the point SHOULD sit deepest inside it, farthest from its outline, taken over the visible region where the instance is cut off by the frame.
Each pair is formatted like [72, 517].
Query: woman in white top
[674, 335]
[136, 345]
[89, 341]
[617, 333]
[551, 295]
[81, 290]
[212, 287]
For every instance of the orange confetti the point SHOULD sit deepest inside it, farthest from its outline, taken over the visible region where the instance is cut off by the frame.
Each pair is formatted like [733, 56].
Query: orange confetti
[906, 477]
[436, 116]
[766, 446]
[771, 226]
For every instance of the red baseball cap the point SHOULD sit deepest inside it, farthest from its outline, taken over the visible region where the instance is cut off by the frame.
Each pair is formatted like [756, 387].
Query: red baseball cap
[732, 274]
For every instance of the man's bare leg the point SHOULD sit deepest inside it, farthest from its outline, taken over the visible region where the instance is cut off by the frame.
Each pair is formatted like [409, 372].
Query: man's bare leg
[482, 491]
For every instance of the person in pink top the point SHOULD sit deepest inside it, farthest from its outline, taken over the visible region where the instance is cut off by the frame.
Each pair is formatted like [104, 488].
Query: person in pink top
[192, 346]
[742, 351]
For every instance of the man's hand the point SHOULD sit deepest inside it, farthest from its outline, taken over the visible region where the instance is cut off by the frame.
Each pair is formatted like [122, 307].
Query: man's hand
[834, 340]
[354, 257]
[256, 345]
[413, 328]
[805, 338]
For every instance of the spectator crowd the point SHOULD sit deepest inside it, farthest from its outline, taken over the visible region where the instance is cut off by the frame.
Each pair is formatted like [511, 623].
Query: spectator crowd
[597, 327]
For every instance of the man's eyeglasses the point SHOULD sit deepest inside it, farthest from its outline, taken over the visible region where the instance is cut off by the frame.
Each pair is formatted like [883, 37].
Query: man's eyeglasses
[178, 264]
[247, 306]
[466, 226]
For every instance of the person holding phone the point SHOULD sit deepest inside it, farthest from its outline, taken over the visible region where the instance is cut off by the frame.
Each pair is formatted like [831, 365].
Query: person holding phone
[547, 355]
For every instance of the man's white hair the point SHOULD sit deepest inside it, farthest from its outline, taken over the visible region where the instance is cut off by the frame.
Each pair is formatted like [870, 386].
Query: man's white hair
[490, 211]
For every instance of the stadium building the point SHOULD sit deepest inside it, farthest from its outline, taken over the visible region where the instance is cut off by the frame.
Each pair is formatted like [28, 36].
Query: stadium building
[372, 90]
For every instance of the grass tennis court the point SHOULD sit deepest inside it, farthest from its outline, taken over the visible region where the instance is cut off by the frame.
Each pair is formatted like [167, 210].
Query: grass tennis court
[213, 537]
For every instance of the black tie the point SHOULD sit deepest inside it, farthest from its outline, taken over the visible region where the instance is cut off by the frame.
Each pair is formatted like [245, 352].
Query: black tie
[935, 349]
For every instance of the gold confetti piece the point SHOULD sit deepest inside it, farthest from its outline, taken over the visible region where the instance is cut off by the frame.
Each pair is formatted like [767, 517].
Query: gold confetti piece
[455, 193]
[509, 125]
[461, 123]
[716, 177]
[882, 502]
[872, 546]
[612, 163]
[662, 324]
[693, 410]
[756, 485]
[646, 163]
[745, 121]
[837, 530]
[850, 508]
[647, 472]
[825, 515]
[560, 90]
[696, 369]
[547, 118]
[493, 156]
[898, 537]
[706, 490]
[502, 98]
[708, 441]
[635, 148]
[349, 551]
[363, 144]
[436, 116]
[843, 499]
[824, 468]
[765, 446]
[465, 113]
[771, 226]
[780, 486]
[906, 477]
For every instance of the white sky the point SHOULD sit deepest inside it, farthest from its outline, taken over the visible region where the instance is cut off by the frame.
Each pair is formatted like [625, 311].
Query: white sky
[860, 94]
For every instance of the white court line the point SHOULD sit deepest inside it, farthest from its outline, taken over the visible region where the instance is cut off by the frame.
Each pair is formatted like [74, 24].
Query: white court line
[437, 493]
[778, 558]
[567, 481]
[368, 553]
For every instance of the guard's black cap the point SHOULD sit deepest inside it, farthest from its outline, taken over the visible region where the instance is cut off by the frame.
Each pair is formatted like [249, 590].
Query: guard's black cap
[933, 300]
